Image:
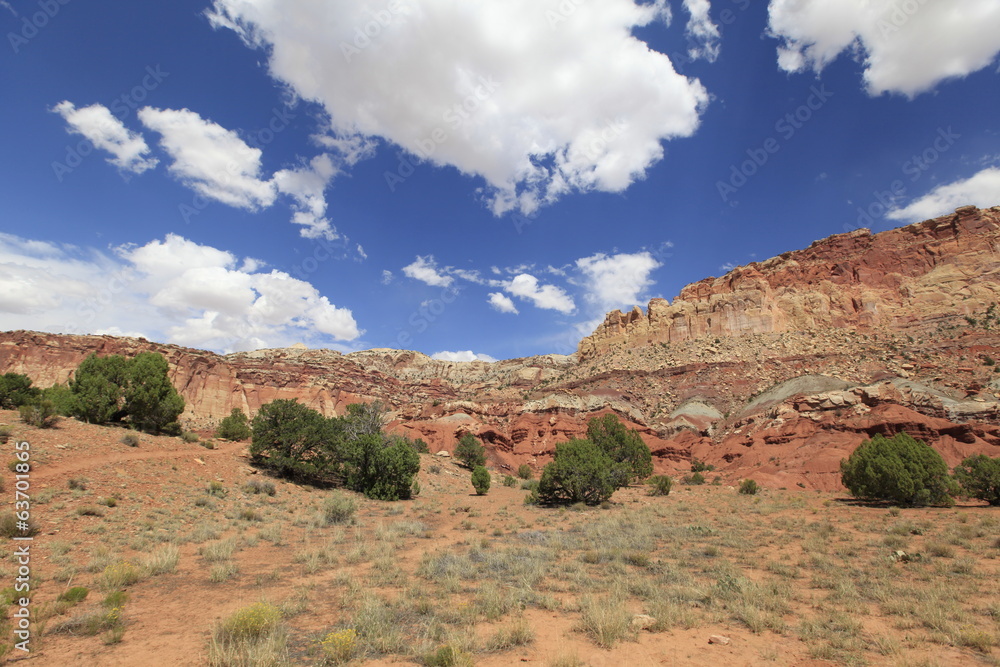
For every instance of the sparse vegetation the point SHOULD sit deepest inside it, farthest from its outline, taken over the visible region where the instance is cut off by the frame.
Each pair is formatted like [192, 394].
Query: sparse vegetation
[524, 471]
[900, 469]
[234, 427]
[749, 487]
[481, 480]
[40, 415]
[130, 440]
[470, 452]
[660, 485]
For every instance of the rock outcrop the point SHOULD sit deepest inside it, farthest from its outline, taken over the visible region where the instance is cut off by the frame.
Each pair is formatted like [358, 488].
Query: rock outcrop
[901, 279]
[775, 371]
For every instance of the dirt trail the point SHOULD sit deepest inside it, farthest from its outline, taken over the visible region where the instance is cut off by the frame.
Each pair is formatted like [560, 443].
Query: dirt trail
[48, 471]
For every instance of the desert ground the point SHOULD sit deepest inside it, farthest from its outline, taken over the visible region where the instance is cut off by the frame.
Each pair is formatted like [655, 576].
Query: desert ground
[188, 560]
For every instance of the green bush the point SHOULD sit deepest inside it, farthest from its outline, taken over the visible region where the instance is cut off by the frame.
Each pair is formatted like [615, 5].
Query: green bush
[524, 471]
[695, 479]
[749, 487]
[979, 477]
[381, 470]
[530, 485]
[16, 390]
[900, 469]
[420, 447]
[151, 402]
[112, 388]
[469, 452]
[701, 466]
[62, 398]
[623, 446]
[234, 427]
[508, 480]
[481, 480]
[581, 472]
[40, 415]
[189, 437]
[660, 485]
[295, 441]
[74, 595]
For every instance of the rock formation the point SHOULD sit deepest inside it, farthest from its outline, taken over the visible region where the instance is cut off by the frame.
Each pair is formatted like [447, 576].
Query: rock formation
[776, 371]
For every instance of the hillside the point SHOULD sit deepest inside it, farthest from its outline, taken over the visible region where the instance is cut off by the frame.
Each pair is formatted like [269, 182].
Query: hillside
[897, 327]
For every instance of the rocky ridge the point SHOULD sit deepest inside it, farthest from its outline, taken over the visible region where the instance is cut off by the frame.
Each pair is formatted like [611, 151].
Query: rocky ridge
[775, 371]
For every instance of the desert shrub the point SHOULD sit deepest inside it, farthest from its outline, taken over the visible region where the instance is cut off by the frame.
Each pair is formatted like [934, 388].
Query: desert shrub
[481, 480]
[234, 427]
[623, 446]
[257, 486]
[5, 433]
[40, 415]
[581, 472]
[979, 477]
[89, 510]
[130, 439]
[339, 646]
[77, 484]
[530, 485]
[381, 470]
[62, 398]
[250, 514]
[900, 469]
[749, 487]
[110, 501]
[97, 388]
[151, 402]
[524, 471]
[420, 447]
[112, 388]
[695, 479]
[660, 485]
[339, 508]
[700, 466]
[190, 437]
[118, 575]
[470, 452]
[508, 480]
[295, 441]
[12, 526]
[216, 488]
[16, 390]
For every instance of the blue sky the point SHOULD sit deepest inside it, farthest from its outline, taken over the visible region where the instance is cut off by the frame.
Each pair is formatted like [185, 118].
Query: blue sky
[461, 178]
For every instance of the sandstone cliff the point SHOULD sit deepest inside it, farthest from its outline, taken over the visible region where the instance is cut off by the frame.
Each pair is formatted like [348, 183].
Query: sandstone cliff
[900, 279]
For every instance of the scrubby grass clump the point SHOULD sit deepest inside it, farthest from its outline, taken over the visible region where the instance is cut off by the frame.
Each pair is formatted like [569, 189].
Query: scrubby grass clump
[339, 508]
[749, 487]
[252, 635]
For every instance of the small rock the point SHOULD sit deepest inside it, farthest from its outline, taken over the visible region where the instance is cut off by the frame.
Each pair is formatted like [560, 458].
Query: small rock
[443, 454]
[642, 622]
[719, 639]
[199, 461]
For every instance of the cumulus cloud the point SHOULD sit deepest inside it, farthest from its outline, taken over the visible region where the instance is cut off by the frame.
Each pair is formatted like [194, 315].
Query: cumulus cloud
[617, 280]
[425, 269]
[210, 159]
[982, 190]
[502, 303]
[576, 102]
[548, 297]
[907, 47]
[465, 355]
[387, 276]
[96, 123]
[306, 186]
[172, 290]
[703, 34]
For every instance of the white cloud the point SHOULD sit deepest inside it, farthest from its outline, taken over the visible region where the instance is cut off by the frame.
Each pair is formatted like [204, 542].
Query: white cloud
[465, 355]
[617, 280]
[548, 297]
[501, 302]
[982, 190]
[702, 33]
[425, 270]
[101, 128]
[387, 276]
[172, 290]
[306, 186]
[908, 46]
[574, 103]
[214, 161]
